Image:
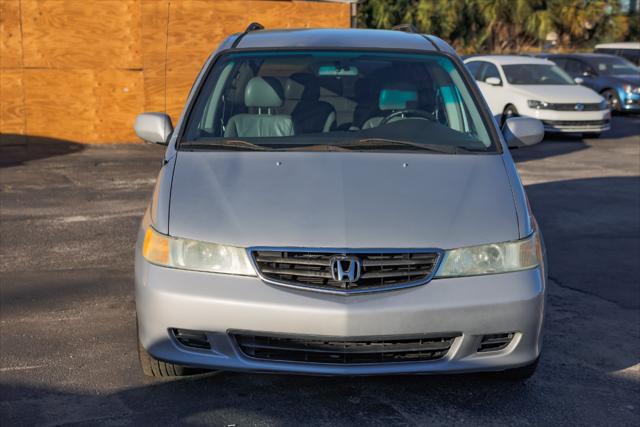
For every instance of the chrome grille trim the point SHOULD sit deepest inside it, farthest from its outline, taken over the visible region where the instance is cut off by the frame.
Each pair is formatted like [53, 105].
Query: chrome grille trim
[318, 259]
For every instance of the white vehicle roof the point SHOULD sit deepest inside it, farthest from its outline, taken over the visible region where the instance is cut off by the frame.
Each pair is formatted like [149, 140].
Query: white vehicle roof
[621, 45]
[510, 59]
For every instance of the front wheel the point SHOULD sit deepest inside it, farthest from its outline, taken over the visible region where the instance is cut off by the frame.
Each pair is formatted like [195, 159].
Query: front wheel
[153, 367]
[519, 374]
[509, 111]
[612, 99]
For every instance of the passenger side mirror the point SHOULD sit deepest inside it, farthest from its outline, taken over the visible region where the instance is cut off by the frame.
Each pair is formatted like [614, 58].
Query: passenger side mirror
[522, 131]
[578, 80]
[154, 127]
[493, 81]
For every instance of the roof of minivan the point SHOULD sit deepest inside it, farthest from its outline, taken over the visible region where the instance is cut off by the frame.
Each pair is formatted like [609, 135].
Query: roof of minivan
[340, 38]
[509, 59]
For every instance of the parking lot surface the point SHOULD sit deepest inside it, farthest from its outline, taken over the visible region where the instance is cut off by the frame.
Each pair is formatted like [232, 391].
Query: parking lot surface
[69, 214]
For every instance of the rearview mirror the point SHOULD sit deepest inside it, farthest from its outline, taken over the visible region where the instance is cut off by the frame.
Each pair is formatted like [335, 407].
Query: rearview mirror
[522, 131]
[493, 81]
[154, 127]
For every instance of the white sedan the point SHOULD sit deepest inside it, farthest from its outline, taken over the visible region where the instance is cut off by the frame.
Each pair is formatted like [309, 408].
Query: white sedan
[534, 87]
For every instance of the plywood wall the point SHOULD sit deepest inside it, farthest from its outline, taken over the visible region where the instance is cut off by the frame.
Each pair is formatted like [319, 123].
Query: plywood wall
[82, 70]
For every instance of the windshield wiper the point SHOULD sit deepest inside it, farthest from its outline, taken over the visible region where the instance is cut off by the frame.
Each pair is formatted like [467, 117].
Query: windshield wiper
[233, 144]
[436, 148]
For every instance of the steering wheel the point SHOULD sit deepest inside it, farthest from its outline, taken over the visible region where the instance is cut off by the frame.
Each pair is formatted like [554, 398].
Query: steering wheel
[408, 112]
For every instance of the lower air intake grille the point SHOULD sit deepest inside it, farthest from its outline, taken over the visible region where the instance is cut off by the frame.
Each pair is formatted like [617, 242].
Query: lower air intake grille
[495, 342]
[372, 271]
[575, 122]
[339, 351]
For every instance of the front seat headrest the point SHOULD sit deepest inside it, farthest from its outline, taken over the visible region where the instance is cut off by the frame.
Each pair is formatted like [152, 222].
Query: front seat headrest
[263, 92]
[398, 96]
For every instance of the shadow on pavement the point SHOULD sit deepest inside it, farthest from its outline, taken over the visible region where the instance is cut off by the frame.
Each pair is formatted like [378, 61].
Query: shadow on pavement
[592, 232]
[17, 149]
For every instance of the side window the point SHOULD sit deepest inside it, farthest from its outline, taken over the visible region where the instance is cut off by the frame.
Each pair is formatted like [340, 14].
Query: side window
[490, 71]
[573, 67]
[474, 68]
[560, 62]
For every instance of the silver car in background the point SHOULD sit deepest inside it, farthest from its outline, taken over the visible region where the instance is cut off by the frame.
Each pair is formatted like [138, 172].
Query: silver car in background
[338, 202]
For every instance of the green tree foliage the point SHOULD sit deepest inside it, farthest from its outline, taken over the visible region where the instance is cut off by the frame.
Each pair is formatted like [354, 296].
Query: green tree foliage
[505, 25]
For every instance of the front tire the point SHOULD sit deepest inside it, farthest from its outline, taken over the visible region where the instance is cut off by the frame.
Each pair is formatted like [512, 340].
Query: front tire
[520, 374]
[153, 367]
[611, 96]
[509, 112]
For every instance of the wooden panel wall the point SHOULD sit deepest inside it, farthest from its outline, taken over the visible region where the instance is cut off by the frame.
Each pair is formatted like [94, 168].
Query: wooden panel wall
[82, 70]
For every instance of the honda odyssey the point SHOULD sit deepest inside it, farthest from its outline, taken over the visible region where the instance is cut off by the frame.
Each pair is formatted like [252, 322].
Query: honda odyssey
[338, 202]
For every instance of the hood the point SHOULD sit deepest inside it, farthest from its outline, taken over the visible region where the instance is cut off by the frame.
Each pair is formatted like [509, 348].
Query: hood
[558, 93]
[341, 200]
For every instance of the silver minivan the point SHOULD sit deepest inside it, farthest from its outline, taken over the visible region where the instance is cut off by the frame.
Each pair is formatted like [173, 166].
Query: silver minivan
[338, 202]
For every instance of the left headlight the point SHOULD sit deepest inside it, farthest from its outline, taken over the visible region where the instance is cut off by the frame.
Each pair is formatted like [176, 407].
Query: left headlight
[492, 258]
[189, 254]
[540, 105]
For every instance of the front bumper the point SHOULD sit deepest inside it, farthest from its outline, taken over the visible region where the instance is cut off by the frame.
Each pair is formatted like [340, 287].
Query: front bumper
[469, 307]
[572, 121]
[630, 101]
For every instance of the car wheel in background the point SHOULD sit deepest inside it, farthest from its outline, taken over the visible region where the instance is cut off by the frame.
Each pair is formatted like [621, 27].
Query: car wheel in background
[612, 99]
[509, 111]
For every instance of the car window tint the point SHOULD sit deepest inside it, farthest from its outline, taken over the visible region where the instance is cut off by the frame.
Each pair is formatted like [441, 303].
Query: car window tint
[474, 68]
[490, 71]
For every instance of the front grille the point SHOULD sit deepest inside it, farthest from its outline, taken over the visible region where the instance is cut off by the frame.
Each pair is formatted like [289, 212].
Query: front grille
[378, 270]
[342, 351]
[495, 342]
[576, 122]
[572, 107]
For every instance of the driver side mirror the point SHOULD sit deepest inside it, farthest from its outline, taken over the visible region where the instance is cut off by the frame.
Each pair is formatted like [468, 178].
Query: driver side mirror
[154, 127]
[578, 80]
[522, 131]
[493, 81]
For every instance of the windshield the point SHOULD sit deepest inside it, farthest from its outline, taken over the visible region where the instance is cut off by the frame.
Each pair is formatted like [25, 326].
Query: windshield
[615, 66]
[319, 100]
[536, 74]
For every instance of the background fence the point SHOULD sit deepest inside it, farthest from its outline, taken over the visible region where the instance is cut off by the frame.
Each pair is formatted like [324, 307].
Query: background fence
[82, 70]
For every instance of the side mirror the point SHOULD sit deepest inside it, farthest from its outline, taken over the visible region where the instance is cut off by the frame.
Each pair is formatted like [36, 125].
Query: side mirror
[578, 80]
[493, 81]
[154, 127]
[522, 131]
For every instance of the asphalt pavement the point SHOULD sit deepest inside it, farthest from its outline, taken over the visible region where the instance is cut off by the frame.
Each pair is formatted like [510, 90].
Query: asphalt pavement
[68, 217]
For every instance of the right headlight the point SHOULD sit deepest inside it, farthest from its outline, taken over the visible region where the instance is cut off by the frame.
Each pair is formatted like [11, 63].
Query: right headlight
[187, 254]
[492, 258]
[539, 105]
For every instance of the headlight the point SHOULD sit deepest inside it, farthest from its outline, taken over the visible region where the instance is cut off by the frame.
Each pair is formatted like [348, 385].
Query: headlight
[492, 258]
[604, 105]
[195, 255]
[539, 105]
